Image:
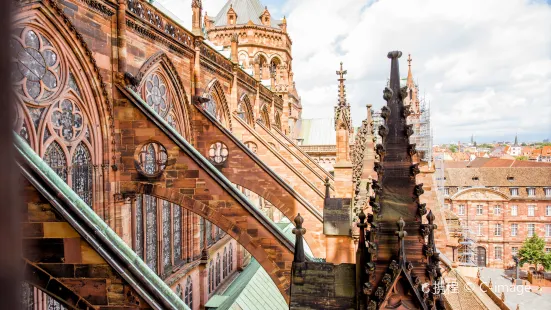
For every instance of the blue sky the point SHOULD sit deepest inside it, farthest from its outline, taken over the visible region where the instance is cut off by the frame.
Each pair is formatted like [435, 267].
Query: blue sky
[484, 66]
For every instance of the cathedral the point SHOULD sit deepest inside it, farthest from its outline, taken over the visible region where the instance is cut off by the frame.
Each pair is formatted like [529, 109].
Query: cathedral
[161, 169]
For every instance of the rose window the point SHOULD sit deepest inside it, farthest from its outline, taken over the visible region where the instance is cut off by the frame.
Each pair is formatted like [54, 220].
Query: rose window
[67, 120]
[218, 153]
[156, 94]
[36, 66]
[152, 159]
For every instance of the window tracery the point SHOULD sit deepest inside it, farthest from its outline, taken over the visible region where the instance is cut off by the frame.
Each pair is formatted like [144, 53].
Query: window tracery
[167, 246]
[51, 108]
[55, 158]
[218, 153]
[156, 94]
[188, 299]
[152, 159]
[82, 173]
[37, 65]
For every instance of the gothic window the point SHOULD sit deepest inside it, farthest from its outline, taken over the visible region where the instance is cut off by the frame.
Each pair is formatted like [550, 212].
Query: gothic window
[208, 228]
[179, 292]
[230, 265]
[37, 65]
[218, 280]
[55, 158]
[211, 277]
[67, 120]
[156, 94]
[152, 159]
[225, 264]
[82, 173]
[241, 111]
[188, 299]
[167, 261]
[202, 224]
[252, 146]
[177, 233]
[213, 108]
[139, 226]
[218, 153]
[151, 232]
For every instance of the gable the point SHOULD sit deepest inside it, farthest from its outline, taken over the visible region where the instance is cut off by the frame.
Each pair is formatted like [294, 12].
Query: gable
[480, 194]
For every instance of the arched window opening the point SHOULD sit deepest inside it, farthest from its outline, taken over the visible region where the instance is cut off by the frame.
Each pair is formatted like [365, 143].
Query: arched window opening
[167, 245]
[218, 280]
[188, 296]
[151, 232]
[211, 277]
[179, 292]
[55, 158]
[225, 264]
[82, 173]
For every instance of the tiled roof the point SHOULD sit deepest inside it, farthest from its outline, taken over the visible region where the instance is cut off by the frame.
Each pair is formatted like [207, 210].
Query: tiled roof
[523, 176]
[317, 131]
[246, 10]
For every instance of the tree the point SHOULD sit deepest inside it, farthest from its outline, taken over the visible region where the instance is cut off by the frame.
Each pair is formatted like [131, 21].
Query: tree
[521, 158]
[532, 252]
[453, 148]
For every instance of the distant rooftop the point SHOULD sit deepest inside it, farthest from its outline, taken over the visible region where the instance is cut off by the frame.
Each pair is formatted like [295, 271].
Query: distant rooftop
[246, 10]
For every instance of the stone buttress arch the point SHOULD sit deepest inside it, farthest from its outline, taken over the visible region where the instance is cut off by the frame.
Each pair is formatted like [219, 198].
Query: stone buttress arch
[248, 109]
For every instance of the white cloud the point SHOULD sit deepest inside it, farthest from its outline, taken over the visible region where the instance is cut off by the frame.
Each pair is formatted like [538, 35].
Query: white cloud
[484, 65]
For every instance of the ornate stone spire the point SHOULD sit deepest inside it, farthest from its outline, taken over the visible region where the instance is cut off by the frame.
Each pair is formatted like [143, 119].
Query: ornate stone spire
[342, 88]
[342, 110]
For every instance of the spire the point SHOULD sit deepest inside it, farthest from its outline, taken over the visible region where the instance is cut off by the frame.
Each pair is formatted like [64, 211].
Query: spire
[410, 76]
[342, 88]
[516, 140]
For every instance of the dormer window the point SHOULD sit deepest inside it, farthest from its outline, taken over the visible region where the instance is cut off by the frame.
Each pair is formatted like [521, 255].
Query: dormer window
[475, 178]
[232, 16]
[510, 179]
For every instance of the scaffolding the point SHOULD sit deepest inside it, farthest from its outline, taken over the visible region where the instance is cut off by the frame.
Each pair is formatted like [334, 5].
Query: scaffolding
[466, 253]
[422, 132]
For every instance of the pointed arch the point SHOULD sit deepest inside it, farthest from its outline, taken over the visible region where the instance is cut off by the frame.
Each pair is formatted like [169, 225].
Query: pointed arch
[245, 109]
[61, 103]
[265, 116]
[277, 120]
[217, 105]
[161, 87]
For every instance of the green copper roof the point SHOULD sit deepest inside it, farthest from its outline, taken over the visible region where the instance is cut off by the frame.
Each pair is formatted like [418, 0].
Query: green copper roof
[252, 290]
[102, 231]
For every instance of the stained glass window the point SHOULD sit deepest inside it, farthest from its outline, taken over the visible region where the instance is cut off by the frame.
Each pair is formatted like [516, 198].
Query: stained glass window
[167, 261]
[67, 120]
[211, 277]
[208, 228]
[177, 233]
[179, 292]
[225, 263]
[202, 233]
[156, 94]
[82, 173]
[37, 65]
[188, 299]
[230, 265]
[218, 280]
[55, 158]
[139, 226]
[218, 153]
[151, 235]
[152, 159]
[27, 296]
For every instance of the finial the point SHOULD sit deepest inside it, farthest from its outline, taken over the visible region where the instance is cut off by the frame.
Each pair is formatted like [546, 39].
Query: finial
[362, 216]
[431, 217]
[401, 224]
[299, 256]
[409, 60]
[327, 187]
